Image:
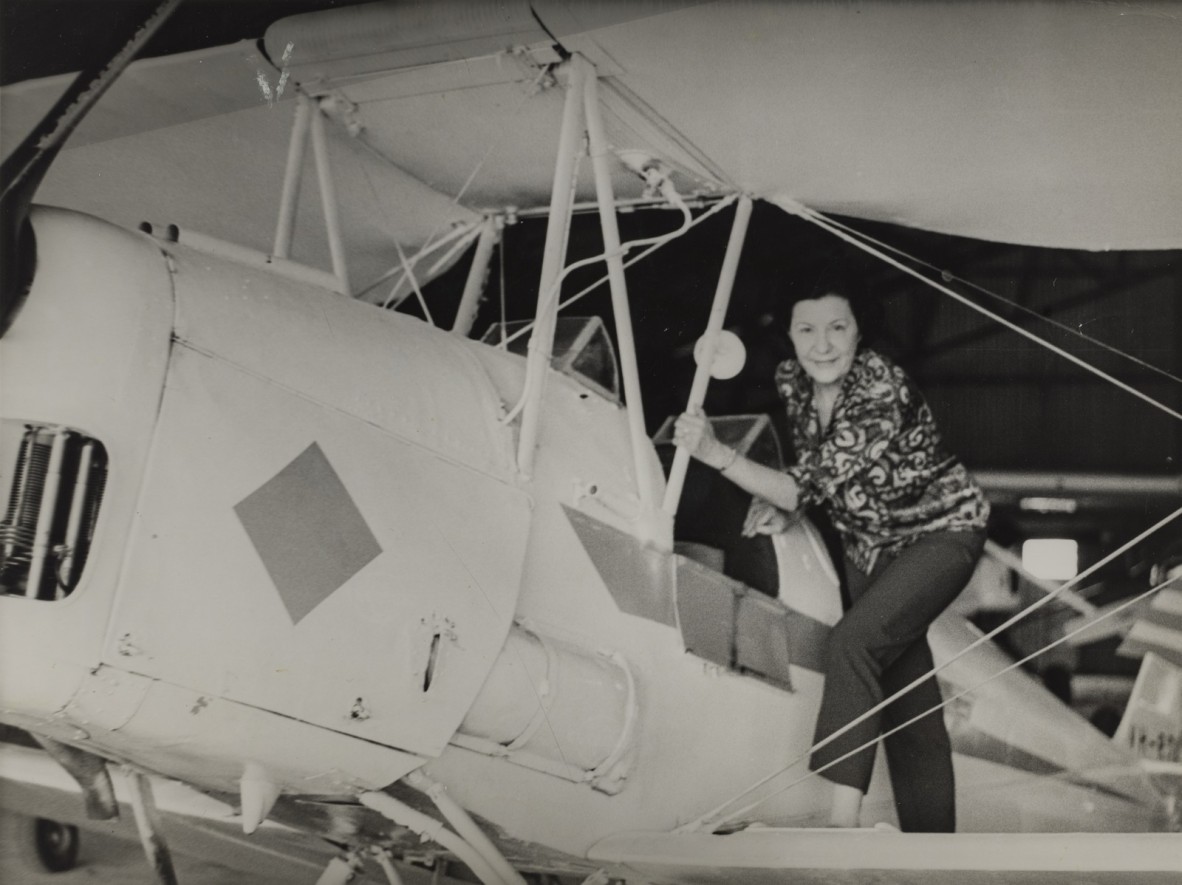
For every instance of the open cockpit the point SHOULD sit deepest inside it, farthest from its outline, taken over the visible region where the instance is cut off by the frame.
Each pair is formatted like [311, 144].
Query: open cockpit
[778, 594]
[582, 350]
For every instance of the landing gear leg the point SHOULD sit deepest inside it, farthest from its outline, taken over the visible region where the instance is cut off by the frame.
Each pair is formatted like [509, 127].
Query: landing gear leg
[382, 856]
[147, 821]
[340, 871]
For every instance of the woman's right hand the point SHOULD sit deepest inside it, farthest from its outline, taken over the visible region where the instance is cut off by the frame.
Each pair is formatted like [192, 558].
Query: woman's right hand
[765, 518]
[693, 432]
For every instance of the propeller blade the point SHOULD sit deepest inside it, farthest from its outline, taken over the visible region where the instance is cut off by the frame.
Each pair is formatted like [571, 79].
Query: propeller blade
[22, 170]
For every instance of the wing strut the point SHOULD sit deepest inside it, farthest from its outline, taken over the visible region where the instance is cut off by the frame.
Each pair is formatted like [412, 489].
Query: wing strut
[582, 86]
[614, 257]
[328, 199]
[490, 235]
[147, 821]
[285, 226]
[309, 120]
[722, 297]
[541, 342]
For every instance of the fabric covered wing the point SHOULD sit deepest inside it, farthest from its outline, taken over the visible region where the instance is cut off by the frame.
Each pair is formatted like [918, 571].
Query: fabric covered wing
[764, 855]
[1046, 124]
[192, 140]
[1038, 123]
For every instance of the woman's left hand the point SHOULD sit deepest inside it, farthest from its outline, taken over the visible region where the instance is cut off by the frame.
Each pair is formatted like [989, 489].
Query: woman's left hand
[765, 518]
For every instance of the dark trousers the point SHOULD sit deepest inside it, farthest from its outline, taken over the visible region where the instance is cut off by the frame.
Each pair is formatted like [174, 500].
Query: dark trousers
[879, 647]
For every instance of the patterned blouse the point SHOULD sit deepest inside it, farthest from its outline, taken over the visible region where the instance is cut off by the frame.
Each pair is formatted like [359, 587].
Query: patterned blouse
[880, 469]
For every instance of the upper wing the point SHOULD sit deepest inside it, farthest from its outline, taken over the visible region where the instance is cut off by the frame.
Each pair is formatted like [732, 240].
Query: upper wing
[191, 140]
[1047, 124]
[1040, 123]
[883, 857]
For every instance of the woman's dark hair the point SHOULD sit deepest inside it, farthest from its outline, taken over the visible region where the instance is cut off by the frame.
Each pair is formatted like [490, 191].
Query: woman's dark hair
[835, 279]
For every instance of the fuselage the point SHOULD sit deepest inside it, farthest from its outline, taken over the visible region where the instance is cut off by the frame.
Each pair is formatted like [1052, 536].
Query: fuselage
[311, 554]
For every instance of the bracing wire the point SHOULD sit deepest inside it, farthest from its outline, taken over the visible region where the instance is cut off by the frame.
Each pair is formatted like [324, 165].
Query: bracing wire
[717, 207]
[414, 282]
[1066, 637]
[545, 303]
[666, 128]
[459, 246]
[720, 814]
[948, 276]
[492, 146]
[459, 236]
[822, 221]
[407, 269]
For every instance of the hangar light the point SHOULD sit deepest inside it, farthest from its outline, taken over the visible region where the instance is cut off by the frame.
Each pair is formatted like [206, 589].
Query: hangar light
[1056, 559]
[1049, 505]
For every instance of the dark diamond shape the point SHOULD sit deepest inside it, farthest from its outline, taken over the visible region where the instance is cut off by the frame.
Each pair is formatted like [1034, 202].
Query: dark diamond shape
[308, 532]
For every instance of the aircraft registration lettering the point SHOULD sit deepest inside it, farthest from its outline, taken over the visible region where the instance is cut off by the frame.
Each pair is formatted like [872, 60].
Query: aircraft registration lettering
[1161, 745]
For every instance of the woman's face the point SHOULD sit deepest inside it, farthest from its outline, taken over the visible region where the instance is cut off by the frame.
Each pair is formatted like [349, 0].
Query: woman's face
[825, 335]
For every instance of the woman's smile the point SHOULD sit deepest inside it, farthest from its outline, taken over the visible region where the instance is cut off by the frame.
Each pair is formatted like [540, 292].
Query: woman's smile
[825, 335]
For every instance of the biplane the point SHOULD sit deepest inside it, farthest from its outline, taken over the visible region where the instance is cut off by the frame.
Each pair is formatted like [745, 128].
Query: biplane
[368, 592]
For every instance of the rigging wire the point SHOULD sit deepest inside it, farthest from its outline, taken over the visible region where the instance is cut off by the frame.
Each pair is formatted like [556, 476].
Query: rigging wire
[463, 233]
[822, 221]
[544, 304]
[717, 207]
[949, 276]
[414, 282]
[665, 127]
[470, 234]
[534, 88]
[1066, 637]
[719, 814]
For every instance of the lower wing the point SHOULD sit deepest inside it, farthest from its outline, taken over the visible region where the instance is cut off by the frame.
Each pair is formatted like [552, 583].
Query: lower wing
[885, 857]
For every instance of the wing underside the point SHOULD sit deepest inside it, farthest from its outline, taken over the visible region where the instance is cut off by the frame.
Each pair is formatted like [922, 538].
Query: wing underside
[765, 855]
[1043, 124]
[204, 826]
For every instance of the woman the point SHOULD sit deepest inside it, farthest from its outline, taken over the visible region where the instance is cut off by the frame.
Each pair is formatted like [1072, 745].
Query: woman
[912, 524]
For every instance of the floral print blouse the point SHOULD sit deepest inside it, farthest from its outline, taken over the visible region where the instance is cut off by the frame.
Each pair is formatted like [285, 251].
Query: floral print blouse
[880, 469]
